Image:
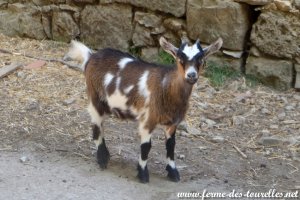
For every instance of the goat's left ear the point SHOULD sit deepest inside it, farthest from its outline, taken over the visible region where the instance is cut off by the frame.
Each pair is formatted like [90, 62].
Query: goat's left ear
[213, 48]
[168, 47]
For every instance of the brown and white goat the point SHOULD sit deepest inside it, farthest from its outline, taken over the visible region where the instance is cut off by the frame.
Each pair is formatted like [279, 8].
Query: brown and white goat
[120, 84]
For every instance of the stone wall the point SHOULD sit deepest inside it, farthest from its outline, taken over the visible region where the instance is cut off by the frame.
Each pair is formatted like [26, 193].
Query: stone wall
[261, 37]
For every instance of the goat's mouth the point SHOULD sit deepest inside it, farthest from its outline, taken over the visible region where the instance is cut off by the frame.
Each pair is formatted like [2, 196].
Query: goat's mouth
[192, 81]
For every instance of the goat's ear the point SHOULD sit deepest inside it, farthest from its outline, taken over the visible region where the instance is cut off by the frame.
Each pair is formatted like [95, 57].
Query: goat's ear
[168, 47]
[213, 48]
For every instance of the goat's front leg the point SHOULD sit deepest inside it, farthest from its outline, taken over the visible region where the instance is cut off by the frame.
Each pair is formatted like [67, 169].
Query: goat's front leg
[170, 146]
[143, 173]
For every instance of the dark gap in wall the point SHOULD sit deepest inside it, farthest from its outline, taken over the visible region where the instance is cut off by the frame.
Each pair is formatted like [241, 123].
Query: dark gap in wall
[294, 74]
[247, 43]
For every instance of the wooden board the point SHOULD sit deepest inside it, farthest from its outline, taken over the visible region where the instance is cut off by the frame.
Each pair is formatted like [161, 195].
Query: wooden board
[8, 69]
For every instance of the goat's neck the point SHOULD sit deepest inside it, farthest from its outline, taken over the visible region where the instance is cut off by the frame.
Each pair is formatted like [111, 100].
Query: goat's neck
[178, 88]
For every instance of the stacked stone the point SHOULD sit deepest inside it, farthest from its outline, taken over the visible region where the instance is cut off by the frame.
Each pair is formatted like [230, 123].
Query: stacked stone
[261, 37]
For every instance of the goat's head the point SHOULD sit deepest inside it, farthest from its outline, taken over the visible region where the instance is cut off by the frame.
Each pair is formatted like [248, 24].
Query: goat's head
[190, 59]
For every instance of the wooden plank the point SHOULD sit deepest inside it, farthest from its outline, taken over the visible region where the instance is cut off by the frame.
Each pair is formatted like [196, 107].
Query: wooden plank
[4, 71]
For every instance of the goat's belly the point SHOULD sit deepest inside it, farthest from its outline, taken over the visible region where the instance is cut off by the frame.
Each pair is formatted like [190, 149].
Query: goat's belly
[123, 114]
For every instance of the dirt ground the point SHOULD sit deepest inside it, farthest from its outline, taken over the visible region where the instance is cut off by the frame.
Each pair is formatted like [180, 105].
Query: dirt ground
[234, 138]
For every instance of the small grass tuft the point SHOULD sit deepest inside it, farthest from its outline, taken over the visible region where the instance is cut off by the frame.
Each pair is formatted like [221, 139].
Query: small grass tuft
[135, 51]
[165, 58]
[251, 80]
[219, 75]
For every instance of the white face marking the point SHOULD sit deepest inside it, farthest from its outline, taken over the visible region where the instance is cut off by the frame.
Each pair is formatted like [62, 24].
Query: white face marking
[123, 62]
[107, 79]
[128, 89]
[171, 163]
[143, 87]
[190, 51]
[191, 69]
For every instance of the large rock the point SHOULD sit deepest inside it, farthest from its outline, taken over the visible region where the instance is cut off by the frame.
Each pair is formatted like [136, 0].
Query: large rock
[276, 73]
[148, 19]
[277, 34]
[63, 27]
[142, 37]
[23, 21]
[208, 20]
[219, 60]
[175, 7]
[107, 26]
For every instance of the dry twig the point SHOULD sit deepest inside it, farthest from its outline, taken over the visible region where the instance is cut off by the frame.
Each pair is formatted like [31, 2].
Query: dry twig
[240, 152]
[75, 67]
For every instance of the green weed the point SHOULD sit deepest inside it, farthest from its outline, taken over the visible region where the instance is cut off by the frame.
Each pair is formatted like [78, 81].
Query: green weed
[165, 58]
[220, 75]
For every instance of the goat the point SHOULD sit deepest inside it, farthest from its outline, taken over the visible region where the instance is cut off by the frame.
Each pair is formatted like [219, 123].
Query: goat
[153, 94]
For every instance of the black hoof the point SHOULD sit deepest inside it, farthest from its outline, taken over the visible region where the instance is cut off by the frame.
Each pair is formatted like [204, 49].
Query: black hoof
[143, 174]
[173, 174]
[103, 155]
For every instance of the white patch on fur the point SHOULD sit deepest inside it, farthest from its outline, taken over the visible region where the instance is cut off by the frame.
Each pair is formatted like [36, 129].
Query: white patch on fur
[143, 132]
[118, 81]
[164, 81]
[96, 119]
[143, 87]
[117, 100]
[123, 62]
[171, 163]
[142, 163]
[107, 79]
[79, 52]
[145, 138]
[128, 89]
[191, 69]
[98, 141]
[190, 51]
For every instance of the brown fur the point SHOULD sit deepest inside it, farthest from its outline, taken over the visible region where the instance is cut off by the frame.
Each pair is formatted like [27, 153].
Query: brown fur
[167, 105]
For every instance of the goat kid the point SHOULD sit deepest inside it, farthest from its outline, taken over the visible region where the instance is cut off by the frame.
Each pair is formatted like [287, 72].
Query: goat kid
[120, 84]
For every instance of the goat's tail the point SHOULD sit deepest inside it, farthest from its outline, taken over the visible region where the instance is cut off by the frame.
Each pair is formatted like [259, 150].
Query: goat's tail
[78, 52]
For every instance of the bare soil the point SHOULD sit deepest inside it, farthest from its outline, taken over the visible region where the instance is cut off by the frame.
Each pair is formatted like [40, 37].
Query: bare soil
[226, 146]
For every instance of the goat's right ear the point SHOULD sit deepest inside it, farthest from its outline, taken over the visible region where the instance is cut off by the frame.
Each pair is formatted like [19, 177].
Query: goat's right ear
[168, 47]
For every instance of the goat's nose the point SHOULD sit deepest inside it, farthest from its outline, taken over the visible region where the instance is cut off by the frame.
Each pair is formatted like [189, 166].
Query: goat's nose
[192, 75]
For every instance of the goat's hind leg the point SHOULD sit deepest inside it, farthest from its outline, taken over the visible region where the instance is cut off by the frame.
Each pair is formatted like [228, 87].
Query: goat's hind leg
[97, 111]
